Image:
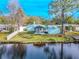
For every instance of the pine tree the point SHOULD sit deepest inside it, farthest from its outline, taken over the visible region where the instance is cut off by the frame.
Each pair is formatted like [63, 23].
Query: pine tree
[62, 8]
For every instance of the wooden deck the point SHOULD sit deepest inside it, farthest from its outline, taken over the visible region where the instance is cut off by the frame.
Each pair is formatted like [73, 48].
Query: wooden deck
[75, 37]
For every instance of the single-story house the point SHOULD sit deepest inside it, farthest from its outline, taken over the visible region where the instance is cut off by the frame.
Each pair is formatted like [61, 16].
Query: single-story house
[71, 27]
[40, 30]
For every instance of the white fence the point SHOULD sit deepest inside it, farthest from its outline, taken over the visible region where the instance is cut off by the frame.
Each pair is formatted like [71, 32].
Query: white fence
[12, 35]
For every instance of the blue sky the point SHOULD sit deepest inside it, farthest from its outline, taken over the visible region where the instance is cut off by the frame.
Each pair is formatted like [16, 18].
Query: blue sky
[30, 7]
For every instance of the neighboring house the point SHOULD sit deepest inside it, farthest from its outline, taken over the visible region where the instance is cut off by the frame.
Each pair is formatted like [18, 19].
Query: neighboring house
[40, 30]
[3, 27]
[7, 27]
[71, 27]
[77, 28]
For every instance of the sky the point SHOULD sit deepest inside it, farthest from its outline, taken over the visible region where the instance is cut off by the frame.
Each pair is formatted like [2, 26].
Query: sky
[30, 7]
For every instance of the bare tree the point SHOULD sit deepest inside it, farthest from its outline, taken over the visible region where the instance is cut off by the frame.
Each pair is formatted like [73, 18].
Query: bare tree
[16, 14]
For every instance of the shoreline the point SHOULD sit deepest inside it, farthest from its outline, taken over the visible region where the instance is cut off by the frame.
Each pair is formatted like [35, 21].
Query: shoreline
[51, 42]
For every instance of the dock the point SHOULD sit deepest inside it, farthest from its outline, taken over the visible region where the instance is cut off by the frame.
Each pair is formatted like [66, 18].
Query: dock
[75, 37]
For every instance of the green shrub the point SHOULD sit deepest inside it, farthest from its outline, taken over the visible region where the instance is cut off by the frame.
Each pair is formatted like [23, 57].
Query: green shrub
[25, 29]
[69, 28]
[51, 39]
[30, 32]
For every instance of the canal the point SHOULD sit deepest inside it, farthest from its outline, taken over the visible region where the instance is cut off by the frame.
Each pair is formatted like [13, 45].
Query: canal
[47, 51]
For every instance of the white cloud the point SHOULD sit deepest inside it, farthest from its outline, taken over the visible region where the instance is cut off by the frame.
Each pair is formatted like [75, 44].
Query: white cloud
[15, 2]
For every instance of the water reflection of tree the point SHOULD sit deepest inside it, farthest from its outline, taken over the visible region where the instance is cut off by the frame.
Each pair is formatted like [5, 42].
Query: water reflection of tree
[2, 51]
[62, 52]
[9, 52]
[67, 57]
[51, 54]
[19, 51]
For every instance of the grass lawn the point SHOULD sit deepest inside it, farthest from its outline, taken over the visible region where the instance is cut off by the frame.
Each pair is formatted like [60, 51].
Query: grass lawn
[24, 38]
[29, 38]
[72, 33]
[3, 36]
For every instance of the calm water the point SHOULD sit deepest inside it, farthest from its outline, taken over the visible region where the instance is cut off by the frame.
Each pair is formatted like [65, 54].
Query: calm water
[49, 51]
